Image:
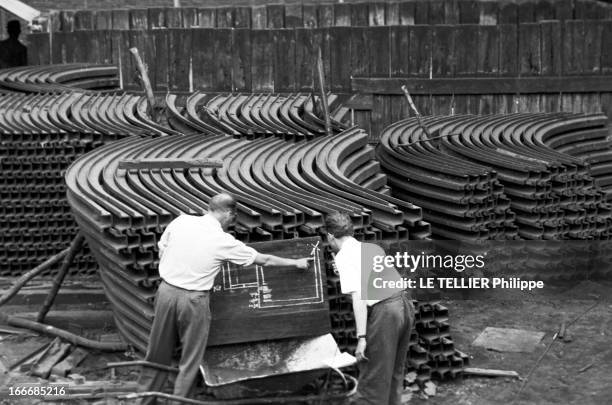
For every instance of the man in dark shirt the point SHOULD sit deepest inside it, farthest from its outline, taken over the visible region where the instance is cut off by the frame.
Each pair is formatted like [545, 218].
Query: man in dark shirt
[12, 52]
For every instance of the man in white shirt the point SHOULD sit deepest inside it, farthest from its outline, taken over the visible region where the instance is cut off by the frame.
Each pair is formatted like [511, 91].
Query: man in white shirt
[192, 250]
[383, 324]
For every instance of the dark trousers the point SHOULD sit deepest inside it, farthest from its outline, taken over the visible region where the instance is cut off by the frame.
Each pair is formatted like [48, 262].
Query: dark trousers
[180, 316]
[381, 378]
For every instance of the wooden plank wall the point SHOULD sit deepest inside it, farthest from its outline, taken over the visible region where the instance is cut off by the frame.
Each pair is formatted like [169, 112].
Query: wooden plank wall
[410, 12]
[243, 59]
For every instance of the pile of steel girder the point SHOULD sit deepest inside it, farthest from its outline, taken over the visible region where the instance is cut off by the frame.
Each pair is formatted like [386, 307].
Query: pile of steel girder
[487, 177]
[59, 78]
[291, 116]
[284, 190]
[40, 136]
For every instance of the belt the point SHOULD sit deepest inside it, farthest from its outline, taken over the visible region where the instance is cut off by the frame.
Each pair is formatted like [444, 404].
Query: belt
[184, 289]
[393, 297]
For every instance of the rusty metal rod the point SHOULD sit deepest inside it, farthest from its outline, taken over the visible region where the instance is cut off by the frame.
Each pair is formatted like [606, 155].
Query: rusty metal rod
[75, 247]
[70, 337]
[21, 281]
[145, 82]
[321, 76]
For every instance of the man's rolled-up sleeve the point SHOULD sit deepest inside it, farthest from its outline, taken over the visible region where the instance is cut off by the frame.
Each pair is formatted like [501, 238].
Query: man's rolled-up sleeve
[237, 252]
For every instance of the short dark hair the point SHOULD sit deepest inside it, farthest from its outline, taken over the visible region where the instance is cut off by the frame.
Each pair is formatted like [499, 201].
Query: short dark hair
[339, 224]
[13, 27]
[222, 202]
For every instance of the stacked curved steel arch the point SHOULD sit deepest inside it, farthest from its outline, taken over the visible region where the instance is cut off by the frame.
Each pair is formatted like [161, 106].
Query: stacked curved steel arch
[40, 135]
[283, 188]
[479, 172]
[59, 78]
[291, 116]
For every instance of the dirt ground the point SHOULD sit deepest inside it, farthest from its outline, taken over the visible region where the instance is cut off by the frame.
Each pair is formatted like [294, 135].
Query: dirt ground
[557, 380]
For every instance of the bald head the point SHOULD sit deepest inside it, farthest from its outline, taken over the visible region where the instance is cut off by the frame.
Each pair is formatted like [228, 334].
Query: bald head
[222, 203]
[223, 207]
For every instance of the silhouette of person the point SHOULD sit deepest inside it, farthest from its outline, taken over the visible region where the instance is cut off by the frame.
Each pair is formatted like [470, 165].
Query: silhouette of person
[12, 52]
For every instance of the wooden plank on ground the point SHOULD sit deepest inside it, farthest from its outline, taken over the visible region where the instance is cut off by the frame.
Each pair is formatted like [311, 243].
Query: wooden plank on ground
[241, 60]
[62, 368]
[203, 59]
[484, 85]
[56, 352]
[262, 65]
[284, 61]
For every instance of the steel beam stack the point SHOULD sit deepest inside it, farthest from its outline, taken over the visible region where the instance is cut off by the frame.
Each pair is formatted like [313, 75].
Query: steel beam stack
[290, 116]
[506, 164]
[59, 78]
[40, 136]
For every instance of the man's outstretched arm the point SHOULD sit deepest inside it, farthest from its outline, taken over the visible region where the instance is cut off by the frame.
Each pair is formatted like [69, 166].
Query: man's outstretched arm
[271, 260]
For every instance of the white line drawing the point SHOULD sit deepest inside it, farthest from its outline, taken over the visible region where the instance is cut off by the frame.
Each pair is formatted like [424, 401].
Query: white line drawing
[262, 296]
